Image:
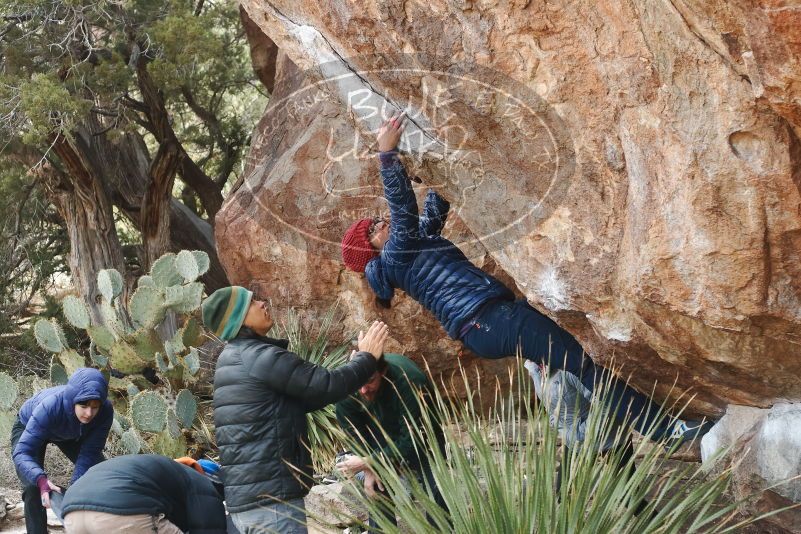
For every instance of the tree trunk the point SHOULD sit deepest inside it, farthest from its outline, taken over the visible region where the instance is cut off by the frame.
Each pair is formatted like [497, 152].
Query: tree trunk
[124, 162]
[81, 200]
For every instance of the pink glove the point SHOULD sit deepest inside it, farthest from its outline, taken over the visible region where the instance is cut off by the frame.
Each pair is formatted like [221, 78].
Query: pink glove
[44, 487]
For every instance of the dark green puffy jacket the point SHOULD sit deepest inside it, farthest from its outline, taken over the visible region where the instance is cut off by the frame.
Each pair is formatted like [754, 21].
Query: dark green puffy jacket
[262, 393]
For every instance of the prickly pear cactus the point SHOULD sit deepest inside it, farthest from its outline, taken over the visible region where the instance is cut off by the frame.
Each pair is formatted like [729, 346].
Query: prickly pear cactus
[186, 408]
[147, 307]
[109, 282]
[75, 312]
[164, 272]
[58, 375]
[131, 442]
[123, 357]
[48, 336]
[149, 411]
[71, 360]
[9, 391]
[153, 331]
[166, 445]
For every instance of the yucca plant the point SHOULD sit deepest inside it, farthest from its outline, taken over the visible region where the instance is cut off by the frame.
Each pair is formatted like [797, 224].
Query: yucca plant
[497, 475]
[318, 348]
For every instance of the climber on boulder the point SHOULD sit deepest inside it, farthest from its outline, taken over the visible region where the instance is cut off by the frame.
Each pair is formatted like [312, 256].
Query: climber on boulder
[408, 252]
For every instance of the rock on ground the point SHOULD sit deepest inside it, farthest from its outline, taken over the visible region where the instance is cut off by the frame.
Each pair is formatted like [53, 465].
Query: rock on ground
[763, 453]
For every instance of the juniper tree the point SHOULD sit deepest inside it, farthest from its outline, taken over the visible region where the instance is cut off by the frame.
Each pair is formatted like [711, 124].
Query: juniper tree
[107, 103]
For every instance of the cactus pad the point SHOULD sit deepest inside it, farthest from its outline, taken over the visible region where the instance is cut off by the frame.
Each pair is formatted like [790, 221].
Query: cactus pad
[149, 411]
[145, 281]
[147, 307]
[184, 299]
[58, 376]
[8, 391]
[161, 363]
[47, 335]
[146, 343]
[173, 426]
[111, 319]
[101, 336]
[97, 358]
[71, 360]
[192, 361]
[187, 266]
[7, 419]
[123, 358]
[164, 272]
[186, 408]
[168, 446]
[192, 334]
[131, 442]
[109, 283]
[202, 260]
[75, 312]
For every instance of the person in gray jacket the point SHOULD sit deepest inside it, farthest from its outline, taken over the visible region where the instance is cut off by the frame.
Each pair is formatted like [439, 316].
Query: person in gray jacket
[567, 403]
[262, 393]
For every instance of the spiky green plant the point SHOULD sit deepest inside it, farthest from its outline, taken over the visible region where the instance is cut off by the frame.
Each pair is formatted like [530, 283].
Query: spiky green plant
[317, 347]
[156, 329]
[497, 475]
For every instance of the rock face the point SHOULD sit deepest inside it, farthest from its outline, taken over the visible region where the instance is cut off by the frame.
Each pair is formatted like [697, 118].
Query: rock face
[763, 453]
[634, 167]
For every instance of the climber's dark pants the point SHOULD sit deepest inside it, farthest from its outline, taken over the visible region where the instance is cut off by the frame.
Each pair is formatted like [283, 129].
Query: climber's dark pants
[35, 515]
[504, 328]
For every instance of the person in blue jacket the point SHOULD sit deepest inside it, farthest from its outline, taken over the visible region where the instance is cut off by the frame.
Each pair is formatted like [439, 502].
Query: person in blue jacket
[407, 252]
[75, 417]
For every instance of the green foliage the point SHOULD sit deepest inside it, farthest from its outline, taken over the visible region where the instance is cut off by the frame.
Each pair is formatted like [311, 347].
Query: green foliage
[8, 391]
[33, 250]
[316, 347]
[148, 411]
[49, 106]
[497, 474]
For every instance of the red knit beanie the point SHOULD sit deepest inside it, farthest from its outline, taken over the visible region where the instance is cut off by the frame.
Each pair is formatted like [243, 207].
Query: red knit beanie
[356, 247]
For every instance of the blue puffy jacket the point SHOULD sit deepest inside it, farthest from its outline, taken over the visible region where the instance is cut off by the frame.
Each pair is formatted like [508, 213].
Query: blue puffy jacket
[418, 260]
[49, 416]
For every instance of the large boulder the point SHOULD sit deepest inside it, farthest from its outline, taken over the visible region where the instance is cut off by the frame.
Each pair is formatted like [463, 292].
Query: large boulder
[762, 450]
[633, 167]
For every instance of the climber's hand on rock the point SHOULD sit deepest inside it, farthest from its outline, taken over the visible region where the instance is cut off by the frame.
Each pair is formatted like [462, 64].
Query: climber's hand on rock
[390, 132]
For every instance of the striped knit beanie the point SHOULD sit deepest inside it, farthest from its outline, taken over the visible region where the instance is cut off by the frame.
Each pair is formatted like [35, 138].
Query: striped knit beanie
[225, 310]
[356, 247]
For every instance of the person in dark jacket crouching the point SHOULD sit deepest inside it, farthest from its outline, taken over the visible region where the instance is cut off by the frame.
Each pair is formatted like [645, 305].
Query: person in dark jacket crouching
[381, 416]
[76, 418]
[143, 493]
[262, 393]
[407, 252]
